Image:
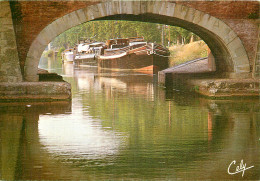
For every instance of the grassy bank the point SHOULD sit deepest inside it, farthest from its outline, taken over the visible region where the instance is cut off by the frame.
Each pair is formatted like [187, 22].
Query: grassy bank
[184, 53]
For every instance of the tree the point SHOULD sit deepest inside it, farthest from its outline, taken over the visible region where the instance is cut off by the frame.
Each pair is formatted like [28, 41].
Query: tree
[109, 29]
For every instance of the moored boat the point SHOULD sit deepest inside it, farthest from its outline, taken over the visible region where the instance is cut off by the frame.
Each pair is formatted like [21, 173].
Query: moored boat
[68, 56]
[133, 54]
[86, 53]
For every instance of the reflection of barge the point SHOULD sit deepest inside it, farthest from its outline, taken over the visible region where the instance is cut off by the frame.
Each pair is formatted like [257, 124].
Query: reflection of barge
[133, 54]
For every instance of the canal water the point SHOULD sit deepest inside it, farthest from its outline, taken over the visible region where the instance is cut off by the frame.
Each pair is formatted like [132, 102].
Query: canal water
[122, 126]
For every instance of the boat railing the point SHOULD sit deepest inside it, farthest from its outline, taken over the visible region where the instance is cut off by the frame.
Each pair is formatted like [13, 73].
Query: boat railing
[116, 51]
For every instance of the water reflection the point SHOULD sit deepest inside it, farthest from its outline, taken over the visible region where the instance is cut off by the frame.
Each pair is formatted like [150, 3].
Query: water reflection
[77, 137]
[121, 126]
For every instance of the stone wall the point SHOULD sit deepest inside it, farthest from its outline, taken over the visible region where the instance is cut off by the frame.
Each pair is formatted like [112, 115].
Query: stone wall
[30, 17]
[37, 91]
[241, 16]
[257, 60]
[9, 63]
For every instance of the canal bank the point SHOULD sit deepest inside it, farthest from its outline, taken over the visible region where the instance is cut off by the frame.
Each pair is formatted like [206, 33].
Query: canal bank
[35, 91]
[198, 76]
[51, 87]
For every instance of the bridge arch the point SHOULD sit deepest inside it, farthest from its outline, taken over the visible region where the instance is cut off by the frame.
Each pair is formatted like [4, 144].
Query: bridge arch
[230, 55]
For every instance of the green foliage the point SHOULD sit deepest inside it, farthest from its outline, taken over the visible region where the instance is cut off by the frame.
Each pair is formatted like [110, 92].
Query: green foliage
[109, 29]
[253, 16]
[60, 51]
[196, 88]
[48, 53]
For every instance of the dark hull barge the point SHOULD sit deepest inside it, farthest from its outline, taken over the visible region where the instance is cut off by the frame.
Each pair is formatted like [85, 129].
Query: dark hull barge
[136, 56]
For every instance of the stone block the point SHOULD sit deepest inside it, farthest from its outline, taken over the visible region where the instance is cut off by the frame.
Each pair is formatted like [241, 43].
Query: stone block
[42, 38]
[204, 21]
[236, 48]
[190, 15]
[257, 68]
[229, 36]
[242, 68]
[6, 21]
[81, 15]
[210, 22]
[143, 8]
[36, 53]
[128, 7]
[5, 12]
[35, 45]
[8, 43]
[170, 9]
[5, 28]
[149, 7]
[9, 35]
[136, 7]
[197, 16]
[120, 7]
[180, 11]
[5, 5]
[156, 7]
[11, 55]
[223, 31]
[57, 27]
[89, 14]
[39, 89]
[242, 60]
[45, 91]
[64, 24]
[240, 51]
[109, 8]
[115, 8]
[162, 9]
[93, 12]
[240, 75]
[31, 78]
[72, 19]
[101, 10]
[31, 66]
[50, 33]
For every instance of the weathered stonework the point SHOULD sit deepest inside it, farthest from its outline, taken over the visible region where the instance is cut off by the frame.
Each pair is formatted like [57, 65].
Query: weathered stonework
[257, 60]
[225, 27]
[40, 91]
[9, 61]
[226, 87]
[228, 49]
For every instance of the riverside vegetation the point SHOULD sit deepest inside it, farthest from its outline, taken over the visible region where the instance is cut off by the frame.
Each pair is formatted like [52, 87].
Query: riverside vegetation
[183, 44]
[183, 53]
[109, 29]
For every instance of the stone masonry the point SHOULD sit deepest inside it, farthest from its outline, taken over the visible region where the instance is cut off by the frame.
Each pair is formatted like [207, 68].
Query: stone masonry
[229, 51]
[9, 62]
[257, 60]
[230, 28]
[238, 15]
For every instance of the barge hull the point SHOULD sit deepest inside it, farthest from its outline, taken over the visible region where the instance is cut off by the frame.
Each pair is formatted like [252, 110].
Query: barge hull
[133, 62]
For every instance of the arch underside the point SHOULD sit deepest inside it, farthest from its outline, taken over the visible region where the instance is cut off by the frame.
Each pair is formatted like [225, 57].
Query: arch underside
[226, 47]
[221, 54]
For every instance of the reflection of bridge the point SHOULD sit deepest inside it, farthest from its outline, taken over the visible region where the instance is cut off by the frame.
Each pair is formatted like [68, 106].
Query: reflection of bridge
[229, 28]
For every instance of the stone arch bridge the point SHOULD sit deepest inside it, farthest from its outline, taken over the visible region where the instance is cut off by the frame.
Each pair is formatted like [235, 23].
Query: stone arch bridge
[230, 28]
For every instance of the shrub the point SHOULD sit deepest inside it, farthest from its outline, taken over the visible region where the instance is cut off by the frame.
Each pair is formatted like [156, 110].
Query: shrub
[60, 51]
[191, 51]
